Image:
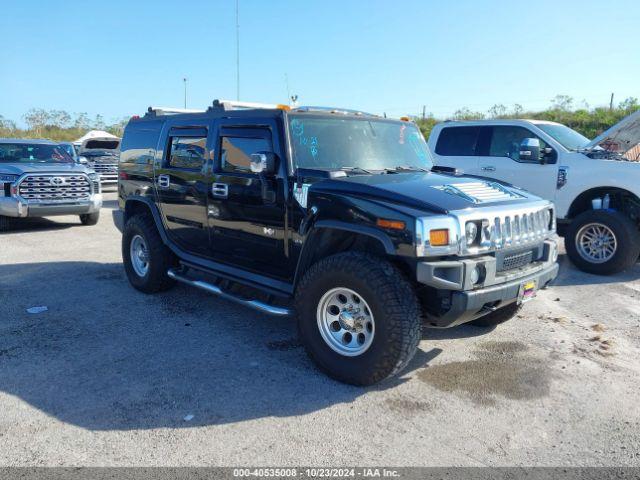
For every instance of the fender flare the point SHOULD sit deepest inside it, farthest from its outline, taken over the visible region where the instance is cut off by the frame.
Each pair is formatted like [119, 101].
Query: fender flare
[155, 213]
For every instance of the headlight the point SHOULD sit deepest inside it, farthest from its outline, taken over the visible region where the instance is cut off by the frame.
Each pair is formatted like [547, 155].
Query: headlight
[437, 235]
[94, 176]
[471, 233]
[8, 178]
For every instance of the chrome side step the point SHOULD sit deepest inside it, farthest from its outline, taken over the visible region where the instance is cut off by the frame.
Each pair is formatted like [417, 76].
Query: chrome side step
[255, 304]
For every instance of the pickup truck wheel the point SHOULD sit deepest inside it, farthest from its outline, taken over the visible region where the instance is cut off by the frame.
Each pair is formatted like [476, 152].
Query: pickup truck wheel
[499, 316]
[146, 258]
[90, 218]
[358, 317]
[5, 223]
[602, 242]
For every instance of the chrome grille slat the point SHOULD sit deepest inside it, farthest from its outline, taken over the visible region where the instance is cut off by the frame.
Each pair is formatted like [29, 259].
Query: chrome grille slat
[38, 188]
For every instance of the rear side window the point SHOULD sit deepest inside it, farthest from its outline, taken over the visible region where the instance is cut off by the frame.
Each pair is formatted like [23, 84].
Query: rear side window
[458, 141]
[187, 152]
[236, 152]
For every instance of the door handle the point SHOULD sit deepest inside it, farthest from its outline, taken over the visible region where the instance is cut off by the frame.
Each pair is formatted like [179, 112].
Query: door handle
[164, 181]
[489, 168]
[220, 190]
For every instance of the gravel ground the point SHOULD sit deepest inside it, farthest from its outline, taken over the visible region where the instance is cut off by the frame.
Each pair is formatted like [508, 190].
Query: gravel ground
[108, 376]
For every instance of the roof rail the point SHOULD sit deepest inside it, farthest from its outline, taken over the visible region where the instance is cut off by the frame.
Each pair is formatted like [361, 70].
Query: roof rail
[157, 111]
[344, 111]
[235, 105]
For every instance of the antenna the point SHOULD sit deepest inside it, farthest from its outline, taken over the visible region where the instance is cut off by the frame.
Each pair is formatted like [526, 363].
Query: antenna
[185, 91]
[238, 50]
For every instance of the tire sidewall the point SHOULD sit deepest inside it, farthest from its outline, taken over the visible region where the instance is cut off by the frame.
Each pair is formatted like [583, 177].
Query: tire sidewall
[133, 228]
[369, 364]
[628, 243]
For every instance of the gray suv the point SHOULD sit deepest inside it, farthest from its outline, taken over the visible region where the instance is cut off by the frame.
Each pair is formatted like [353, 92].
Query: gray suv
[38, 178]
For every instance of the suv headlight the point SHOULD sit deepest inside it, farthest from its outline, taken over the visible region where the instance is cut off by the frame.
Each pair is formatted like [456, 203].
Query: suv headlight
[471, 233]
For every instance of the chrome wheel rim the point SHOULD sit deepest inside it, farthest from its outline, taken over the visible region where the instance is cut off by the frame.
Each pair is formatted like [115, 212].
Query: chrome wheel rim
[345, 322]
[139, 255]
[596, 243]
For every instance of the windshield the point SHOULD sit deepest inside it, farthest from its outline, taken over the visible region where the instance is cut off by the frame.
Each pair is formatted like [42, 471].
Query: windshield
[568, 138]
[33, 153]
[335, 143]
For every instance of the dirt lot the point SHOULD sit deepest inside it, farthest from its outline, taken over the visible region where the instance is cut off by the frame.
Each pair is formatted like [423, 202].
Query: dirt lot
[107, 375]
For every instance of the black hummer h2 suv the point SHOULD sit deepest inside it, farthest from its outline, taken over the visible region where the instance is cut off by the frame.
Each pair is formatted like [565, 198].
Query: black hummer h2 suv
[335, 216]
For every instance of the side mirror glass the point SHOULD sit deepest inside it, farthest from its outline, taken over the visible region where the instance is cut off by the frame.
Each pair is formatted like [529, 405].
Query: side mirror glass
[530, 150]
[263, 163]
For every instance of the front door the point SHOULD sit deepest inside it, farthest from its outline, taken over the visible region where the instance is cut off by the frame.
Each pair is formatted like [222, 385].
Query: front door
[182, 187]
[247, 210]
[501, 160]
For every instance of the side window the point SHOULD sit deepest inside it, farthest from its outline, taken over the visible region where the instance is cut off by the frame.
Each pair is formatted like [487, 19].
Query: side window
[505, 142]
[236, 152]
[458, 141]
[187, 152]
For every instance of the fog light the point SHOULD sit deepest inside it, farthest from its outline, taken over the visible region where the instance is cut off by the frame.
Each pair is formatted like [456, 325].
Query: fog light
[477, 274]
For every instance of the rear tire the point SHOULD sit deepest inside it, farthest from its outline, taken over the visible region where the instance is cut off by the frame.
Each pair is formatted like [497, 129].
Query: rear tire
[379, 321]
[145, 256]
[90, 218]
[5, 223]
[615, 229]
[499, 316]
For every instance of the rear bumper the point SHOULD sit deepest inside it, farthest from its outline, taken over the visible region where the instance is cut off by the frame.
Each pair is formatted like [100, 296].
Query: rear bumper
[17, 208]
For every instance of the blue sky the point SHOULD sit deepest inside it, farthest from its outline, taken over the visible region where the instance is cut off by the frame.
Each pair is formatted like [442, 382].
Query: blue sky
[116, 58]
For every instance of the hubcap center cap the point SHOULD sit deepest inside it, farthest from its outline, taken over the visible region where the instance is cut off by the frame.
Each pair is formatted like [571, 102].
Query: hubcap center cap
[347, 320]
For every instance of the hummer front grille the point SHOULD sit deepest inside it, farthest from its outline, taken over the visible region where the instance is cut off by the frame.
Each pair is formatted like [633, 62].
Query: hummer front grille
[54, 188]
[516, 229]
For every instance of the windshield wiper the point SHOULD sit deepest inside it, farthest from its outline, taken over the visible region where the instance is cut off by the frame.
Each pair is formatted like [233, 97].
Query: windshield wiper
[356, 169]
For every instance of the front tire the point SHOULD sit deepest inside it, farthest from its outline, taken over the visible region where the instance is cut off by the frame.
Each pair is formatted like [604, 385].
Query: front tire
[499, 316]
[90, 218]
[358, 317]
[602, 242]
[146, 258]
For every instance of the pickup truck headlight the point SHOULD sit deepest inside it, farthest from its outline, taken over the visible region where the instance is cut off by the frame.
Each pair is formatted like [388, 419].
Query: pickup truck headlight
[94, 176]
[8, 178]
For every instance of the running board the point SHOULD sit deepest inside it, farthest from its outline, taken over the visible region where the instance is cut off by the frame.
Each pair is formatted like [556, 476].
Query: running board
[255, 304]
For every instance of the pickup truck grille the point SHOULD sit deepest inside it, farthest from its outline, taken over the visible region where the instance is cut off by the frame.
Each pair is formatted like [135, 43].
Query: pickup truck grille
[108, 171]
[54, 188]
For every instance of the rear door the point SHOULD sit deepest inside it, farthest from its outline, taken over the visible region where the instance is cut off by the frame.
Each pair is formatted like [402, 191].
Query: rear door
[247, 211]
[456, 147]
[182, 186]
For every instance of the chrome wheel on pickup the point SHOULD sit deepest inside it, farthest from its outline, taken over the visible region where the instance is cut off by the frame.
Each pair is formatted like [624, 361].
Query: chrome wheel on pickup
[345, 321]
[596, 243]
[602, 241]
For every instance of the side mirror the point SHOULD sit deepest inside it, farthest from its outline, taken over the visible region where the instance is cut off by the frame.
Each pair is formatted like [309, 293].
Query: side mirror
[83, 160]
[530, 150]
[263, 163]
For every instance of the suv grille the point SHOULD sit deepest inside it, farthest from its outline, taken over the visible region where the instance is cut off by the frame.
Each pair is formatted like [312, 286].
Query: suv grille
[54, 188]
[517, 260]
[518, 229]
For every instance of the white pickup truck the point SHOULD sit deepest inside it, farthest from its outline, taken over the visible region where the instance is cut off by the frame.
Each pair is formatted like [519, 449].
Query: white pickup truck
[595, 184]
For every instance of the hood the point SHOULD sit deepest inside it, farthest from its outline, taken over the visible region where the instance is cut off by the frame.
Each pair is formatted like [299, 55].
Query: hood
[20, 168]
[622, 138]
[432, 191]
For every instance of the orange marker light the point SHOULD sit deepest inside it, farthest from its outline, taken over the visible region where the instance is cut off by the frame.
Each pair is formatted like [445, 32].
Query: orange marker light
[439, 238]
[392, 224]
[404, 119]
[283, 107]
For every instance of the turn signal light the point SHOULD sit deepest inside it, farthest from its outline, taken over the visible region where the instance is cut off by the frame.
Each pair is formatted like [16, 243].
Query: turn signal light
[439, 238]
[392, 224]
[286, 108]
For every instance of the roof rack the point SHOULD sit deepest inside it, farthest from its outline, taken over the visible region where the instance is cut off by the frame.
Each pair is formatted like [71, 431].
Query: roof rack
[157, 111]
[344, 111]
[235, 105]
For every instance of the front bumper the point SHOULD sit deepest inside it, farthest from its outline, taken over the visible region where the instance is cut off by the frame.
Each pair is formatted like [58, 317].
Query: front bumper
[18, 208]
[459, 301]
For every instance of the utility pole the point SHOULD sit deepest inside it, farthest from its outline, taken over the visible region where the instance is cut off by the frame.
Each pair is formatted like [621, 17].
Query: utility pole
[611, 103]
[424, 112]
[185, 91]
[237, 50]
